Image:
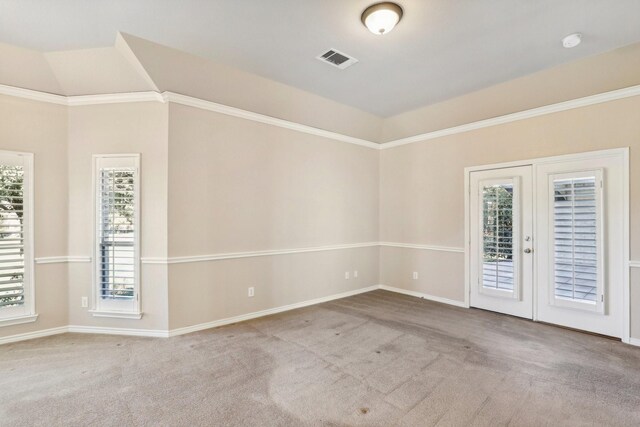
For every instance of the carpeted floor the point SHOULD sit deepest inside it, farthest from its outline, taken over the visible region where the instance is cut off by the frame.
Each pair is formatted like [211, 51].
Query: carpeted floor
[376, 359]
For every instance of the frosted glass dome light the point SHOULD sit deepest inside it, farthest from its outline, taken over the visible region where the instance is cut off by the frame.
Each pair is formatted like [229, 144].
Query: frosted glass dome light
[380, 18]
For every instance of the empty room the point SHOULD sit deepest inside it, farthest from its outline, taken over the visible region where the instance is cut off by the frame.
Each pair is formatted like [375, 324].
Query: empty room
[319, 213]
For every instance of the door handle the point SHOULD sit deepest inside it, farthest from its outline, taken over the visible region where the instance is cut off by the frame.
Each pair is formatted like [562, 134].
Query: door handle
[528, 250]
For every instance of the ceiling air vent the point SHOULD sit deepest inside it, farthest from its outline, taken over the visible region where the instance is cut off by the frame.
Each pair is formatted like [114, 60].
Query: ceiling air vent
[337, 59]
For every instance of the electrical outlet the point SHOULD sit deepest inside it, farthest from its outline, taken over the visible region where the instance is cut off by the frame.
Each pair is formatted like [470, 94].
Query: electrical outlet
[346, 275]
[355, 274]
[84, 302]
[415, 275]
[251, 292]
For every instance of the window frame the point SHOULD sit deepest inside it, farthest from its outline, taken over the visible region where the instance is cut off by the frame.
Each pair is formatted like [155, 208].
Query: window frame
[27, 311]
[128, 309]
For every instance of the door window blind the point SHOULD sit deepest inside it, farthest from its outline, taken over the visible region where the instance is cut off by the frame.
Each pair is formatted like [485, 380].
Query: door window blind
[576, 237]
[497, 237]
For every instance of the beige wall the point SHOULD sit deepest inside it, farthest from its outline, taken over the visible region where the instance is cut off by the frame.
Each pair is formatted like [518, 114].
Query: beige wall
[207, 291]
[596, 74]
[237, 186]
[42, 129]
[216, 184]
[439, 272]
[422, 184]
[119, 129]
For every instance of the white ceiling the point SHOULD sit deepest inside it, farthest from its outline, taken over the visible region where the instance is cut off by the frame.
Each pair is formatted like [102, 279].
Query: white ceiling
[441, 49]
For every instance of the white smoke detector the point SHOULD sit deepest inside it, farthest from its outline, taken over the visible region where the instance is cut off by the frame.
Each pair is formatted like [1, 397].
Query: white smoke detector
[572, 40]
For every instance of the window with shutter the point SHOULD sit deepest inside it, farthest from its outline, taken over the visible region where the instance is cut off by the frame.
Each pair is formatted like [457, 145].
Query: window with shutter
[499, 230]
[16, 260]
[117, 228]
[576, 211]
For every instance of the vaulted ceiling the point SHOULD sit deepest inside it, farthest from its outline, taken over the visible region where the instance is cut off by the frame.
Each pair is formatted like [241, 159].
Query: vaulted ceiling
[440, 50]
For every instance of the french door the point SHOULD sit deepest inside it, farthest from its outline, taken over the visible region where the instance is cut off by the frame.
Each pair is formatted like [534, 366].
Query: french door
[502, 232]
[547, 242]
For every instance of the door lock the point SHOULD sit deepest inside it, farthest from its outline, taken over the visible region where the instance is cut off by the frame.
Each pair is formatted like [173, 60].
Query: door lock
[528, 250]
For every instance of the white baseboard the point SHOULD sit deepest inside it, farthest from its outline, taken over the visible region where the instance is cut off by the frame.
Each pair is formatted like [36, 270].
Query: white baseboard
[216, 323]
[118, 331]
[634, 341]
[425, 296]
[270, 311]
[32, 335]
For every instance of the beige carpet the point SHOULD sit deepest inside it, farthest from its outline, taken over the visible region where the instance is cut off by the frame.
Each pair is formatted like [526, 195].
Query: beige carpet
[377, 359]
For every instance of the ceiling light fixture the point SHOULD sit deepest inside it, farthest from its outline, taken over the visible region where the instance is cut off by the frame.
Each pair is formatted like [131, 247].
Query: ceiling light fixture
[380, 18]
[572, 40]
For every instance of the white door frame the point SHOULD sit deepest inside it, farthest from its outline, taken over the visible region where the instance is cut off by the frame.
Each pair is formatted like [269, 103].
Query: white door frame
[616, 152]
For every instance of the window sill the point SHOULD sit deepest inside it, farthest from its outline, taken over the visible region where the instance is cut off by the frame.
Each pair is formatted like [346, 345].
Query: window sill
[16, 320]
[117, 314]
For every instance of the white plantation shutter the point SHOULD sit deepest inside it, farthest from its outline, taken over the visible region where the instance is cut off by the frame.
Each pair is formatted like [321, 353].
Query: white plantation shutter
[497, 236]
[499, 229]
[576, 211]
[16, 296]
[117, 227]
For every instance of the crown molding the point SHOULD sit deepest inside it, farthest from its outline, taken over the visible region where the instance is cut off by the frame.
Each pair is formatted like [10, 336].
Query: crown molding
[164, 97]
[261, 118]
[33, 95]
[521, 115]
[114, 98]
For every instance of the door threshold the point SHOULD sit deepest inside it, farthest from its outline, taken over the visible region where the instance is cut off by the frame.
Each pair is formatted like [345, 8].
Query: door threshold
[595, 334]
[609, 337]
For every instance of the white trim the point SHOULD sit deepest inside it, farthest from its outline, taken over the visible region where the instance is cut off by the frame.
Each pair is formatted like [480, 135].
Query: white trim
[152, 96]
[18, 320]
[585, 155]
[114, 98]
[623, 152]
[136, 315]
[100, 307]
[158, 333]
[32, 335]
[423, 247]
[626, 285]
[235, 255]
[448, 301]
[62, 259]
[180, 331]
[28, 308]
[33, 95]
[521, 115]
[249, 254]
[268, 312]
[261, 118]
